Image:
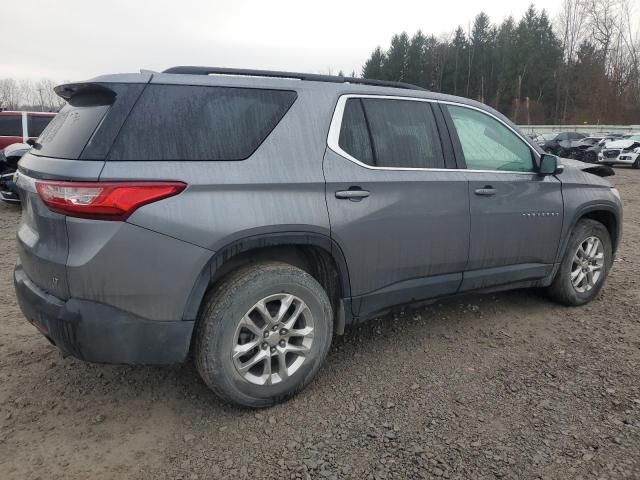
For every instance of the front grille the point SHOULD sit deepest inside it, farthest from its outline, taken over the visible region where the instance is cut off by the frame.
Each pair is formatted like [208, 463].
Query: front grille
[611, 153]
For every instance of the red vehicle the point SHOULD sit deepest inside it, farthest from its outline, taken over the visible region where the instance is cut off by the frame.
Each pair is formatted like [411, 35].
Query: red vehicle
[18, 127]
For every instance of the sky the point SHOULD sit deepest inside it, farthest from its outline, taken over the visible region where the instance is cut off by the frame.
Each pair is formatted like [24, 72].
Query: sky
[79, 39]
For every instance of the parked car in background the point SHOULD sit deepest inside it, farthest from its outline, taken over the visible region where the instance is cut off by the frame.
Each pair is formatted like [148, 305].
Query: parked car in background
[590, 154]
[205, 210]
[9, 157]
[625, 151]
[578, 149]
[562, 142]
[18, 126]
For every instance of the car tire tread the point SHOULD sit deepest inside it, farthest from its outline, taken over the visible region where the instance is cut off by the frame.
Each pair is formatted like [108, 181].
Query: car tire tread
[216, 311]
[561, 290]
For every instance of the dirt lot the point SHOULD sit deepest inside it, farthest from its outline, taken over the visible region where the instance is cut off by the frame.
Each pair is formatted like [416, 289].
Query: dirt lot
[501, 386]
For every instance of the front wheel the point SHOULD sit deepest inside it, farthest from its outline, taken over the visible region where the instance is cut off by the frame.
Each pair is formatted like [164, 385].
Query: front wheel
[636, 164]
[263, 334]
[585, 266]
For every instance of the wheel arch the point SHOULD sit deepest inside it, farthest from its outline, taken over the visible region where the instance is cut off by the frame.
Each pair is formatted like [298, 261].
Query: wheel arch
[609, 219]
[315, 253]
[604, 213]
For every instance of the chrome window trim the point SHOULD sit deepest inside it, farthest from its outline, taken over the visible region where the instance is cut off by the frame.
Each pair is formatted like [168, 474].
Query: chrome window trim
[336, 124]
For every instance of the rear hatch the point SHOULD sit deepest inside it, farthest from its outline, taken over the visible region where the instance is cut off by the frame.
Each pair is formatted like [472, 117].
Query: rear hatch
[72, 147]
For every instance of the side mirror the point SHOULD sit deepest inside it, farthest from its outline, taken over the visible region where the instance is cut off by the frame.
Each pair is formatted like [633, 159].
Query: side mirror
[549, 165]
[31, 142]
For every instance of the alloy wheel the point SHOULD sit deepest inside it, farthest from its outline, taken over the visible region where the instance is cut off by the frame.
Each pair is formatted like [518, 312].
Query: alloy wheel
[273, 339]
[587, 265]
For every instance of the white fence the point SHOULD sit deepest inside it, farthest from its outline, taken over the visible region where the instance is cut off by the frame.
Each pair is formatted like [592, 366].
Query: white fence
[586, 129]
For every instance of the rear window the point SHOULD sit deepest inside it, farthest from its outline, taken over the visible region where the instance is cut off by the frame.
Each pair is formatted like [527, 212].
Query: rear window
[177, 122]
[68, 133]
[37, 124]
[10, 125]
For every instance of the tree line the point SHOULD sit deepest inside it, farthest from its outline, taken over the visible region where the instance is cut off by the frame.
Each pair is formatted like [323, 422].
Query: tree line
[32, 95]
[580, 67]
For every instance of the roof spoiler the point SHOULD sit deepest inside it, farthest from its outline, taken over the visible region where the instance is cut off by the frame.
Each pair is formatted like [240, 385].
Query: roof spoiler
[102, 95]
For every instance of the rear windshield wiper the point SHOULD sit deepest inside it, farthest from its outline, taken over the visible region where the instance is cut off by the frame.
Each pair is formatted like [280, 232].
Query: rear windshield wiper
[34, 144]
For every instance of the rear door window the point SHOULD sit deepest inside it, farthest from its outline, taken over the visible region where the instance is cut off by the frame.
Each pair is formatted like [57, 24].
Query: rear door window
[391, 133]
[11, 125]
[37, 123]
[178, 122]
[403, 133]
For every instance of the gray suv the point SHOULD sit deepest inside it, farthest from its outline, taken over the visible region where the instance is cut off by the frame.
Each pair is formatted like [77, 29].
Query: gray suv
[245, 217]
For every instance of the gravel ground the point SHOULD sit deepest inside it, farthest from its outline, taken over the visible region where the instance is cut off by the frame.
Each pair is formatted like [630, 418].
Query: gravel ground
[499, 386]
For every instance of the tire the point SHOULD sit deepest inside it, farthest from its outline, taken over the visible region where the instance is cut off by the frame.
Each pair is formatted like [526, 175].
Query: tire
[219, 332]
[590, 157]
[636, 164]
[562, 289]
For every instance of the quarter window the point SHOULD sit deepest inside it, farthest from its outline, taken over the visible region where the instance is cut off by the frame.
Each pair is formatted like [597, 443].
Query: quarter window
[487, 144]
[179, 122]
[391, 133]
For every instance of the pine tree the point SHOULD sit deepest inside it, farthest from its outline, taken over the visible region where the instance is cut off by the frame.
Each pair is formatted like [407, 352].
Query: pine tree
[480, 45]
[459, 47]
[395, 68]
[373, 67]
[414, 72]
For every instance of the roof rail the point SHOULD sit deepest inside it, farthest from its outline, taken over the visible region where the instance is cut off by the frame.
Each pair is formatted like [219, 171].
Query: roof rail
[298, 76]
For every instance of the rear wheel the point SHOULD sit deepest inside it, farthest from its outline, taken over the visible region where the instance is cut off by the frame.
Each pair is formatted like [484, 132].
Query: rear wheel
[585, 266]
[263, 334]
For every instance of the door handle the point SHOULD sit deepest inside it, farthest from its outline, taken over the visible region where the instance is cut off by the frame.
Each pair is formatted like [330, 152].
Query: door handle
[487, 191]
[355, 195]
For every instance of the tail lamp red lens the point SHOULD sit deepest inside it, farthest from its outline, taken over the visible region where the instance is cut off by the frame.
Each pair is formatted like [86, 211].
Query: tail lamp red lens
[103, 200]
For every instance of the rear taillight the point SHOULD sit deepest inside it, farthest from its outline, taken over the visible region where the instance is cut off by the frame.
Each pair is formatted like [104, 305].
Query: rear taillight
[103, 200]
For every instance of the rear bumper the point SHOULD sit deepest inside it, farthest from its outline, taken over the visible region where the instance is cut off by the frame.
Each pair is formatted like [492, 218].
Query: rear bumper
[99, 333]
